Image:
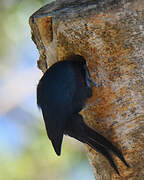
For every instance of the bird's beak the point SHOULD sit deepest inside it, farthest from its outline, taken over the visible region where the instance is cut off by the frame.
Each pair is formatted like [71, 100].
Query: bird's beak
[89, 79]
[92, 81]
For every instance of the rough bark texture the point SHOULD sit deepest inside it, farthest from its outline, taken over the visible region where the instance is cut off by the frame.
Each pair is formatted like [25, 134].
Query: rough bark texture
[110, 35]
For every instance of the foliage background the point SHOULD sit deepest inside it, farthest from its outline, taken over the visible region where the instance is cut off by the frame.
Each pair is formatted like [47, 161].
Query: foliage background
[25, 152]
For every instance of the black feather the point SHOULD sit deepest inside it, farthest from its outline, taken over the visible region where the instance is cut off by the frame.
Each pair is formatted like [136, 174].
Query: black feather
[61, 94]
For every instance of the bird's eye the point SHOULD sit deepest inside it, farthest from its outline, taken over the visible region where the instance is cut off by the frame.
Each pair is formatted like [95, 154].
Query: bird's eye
[84, 62]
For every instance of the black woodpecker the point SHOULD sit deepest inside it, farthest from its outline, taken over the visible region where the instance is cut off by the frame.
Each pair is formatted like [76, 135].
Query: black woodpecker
[61, 94]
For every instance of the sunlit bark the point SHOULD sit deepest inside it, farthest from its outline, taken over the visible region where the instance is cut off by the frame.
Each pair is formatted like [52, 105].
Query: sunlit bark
[110, 35]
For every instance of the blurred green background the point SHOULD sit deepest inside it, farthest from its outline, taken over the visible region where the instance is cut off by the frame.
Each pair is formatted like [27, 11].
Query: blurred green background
[25, 151]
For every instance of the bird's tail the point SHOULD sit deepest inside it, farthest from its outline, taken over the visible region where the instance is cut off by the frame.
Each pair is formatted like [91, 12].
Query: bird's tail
[96, 137]
[98, 142]
[104, 152]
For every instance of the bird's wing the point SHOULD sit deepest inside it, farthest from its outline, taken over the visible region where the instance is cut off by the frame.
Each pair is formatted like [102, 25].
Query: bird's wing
[55, 92]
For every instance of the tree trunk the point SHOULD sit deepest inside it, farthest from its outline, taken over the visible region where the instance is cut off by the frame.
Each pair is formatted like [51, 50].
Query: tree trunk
[110, 35]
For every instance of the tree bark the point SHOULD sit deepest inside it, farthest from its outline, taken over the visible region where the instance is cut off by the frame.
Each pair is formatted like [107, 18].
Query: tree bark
[110, 35]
